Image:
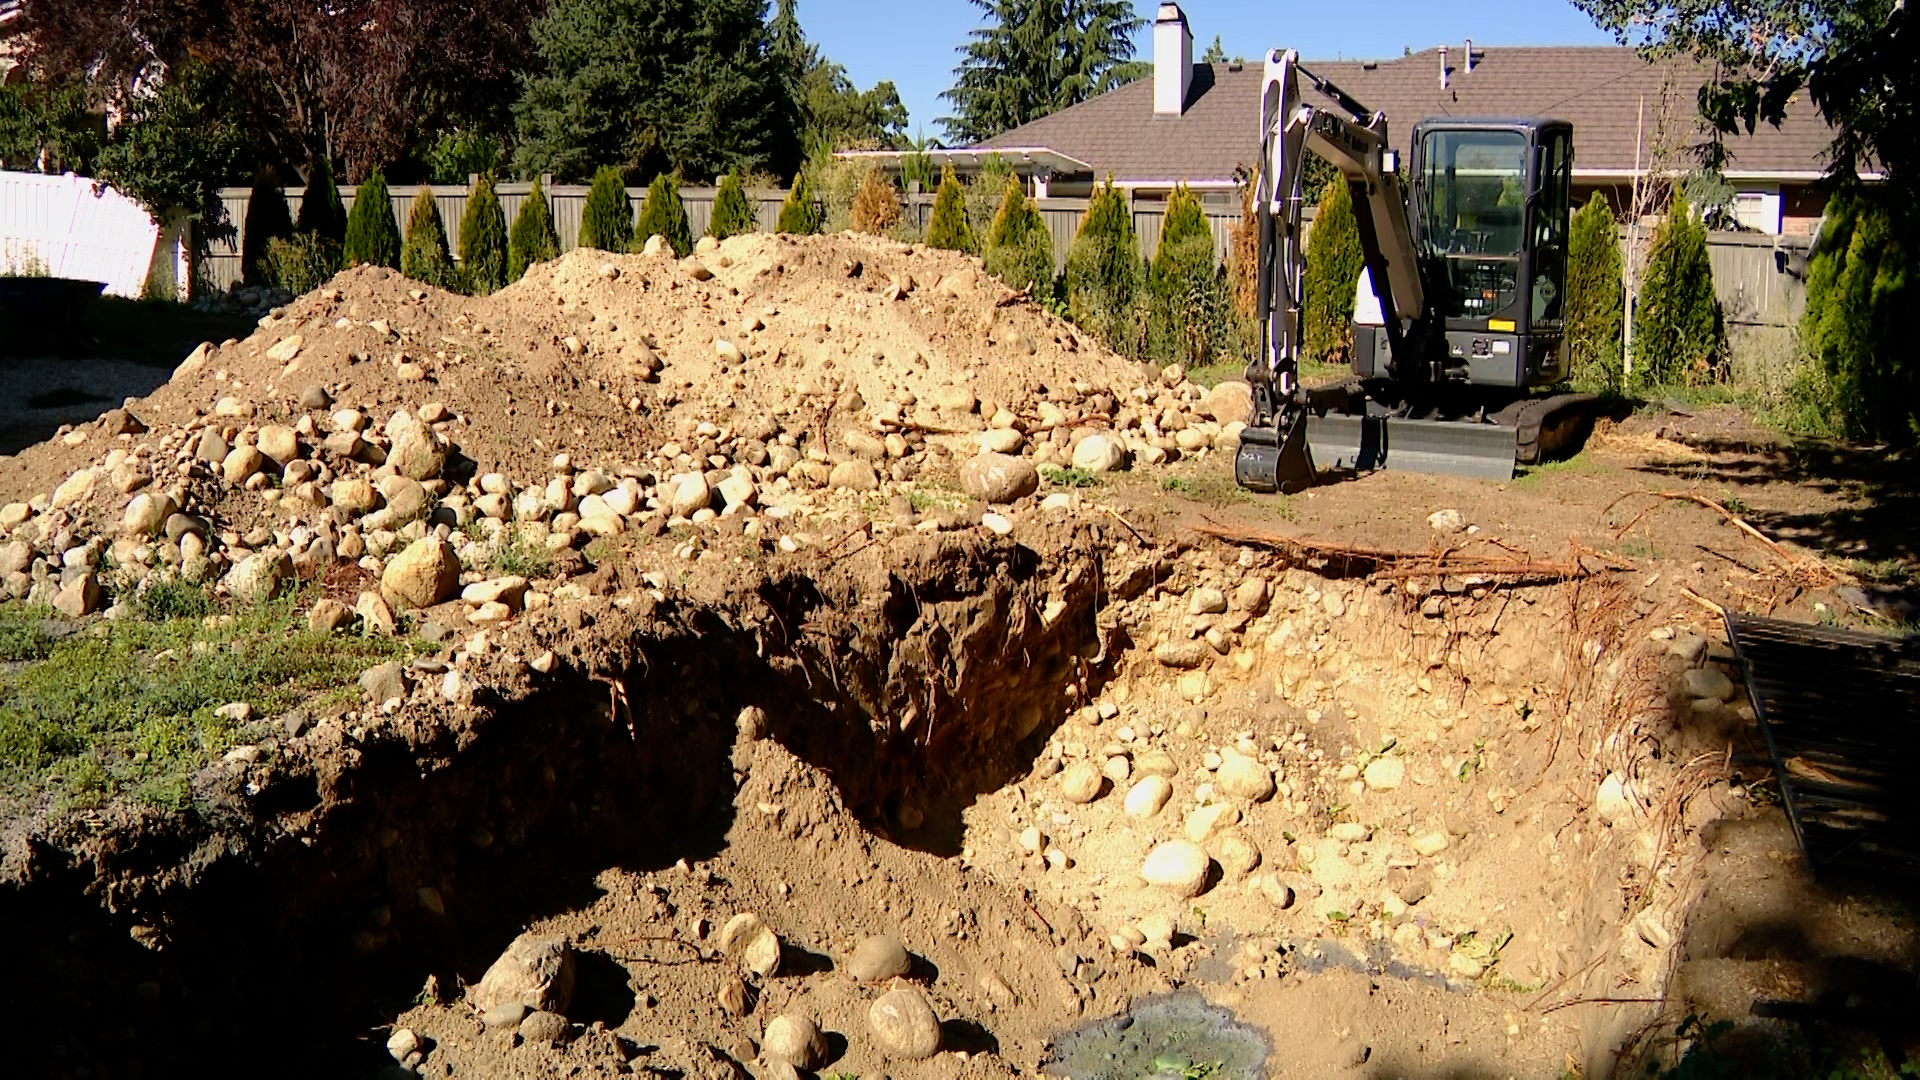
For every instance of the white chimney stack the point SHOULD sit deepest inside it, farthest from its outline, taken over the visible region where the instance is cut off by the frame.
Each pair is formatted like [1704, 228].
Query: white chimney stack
[1443, 67]
[1469, 54]
[1172, 61]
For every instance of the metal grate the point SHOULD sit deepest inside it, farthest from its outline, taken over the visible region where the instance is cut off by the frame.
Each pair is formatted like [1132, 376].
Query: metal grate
[1840, 712]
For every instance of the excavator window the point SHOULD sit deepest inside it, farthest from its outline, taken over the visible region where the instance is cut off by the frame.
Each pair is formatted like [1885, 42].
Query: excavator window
[1473, 184]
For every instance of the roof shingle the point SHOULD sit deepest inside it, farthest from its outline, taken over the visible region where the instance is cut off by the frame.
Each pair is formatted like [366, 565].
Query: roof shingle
[1600, 90]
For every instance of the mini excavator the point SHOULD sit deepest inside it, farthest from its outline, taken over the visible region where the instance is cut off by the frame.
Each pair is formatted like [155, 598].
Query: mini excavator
[1459, 320]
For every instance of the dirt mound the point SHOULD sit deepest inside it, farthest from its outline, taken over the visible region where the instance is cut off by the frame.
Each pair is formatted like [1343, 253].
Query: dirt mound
[606, 357]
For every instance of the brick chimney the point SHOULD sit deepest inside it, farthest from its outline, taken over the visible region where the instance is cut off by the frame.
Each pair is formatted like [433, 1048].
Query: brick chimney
[1172, 61]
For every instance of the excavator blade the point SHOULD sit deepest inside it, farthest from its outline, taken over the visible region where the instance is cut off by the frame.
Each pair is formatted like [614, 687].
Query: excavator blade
[1446, 447]
[1271, 460]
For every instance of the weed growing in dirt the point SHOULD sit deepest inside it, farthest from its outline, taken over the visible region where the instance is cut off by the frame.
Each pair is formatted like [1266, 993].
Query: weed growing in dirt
[1527, 475]
[127, 707]
[520, 554]
[162, 599]
[1068, 478]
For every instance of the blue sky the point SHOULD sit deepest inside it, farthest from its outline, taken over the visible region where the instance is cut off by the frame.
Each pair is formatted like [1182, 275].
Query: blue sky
[913, 42]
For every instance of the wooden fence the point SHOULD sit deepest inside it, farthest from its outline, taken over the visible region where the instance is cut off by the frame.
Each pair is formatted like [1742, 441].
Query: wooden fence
[1759, 278]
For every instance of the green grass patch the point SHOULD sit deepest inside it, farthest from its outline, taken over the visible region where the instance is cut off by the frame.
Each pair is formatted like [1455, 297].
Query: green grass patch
[1218, 488]
[929, 495]
[1526, 475]
[1068, 478]
[126, 707]
[521, 554]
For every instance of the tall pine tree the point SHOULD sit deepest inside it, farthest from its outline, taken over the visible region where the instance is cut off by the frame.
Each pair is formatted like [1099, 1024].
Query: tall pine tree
[1104, 272]
[606, 220]
[665, 216]
[655, 86]
[1019, 245]
[1333, 268]
[732, 214]
[1676, 316]
[267, 219]
[320, 210]
[425, 257]
[1860, 285]
[1035, 57]
[800, 212]
[1595, 298]
[373, 237]
[1184, 282]
[533, 239]
[483, 239]
[948, 229]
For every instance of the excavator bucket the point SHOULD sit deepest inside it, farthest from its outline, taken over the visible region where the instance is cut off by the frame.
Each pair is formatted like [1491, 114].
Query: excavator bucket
[1271, 459]
[1446, 447]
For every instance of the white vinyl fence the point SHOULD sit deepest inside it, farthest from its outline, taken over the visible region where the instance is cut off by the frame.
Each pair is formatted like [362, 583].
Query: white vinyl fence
[62, 227]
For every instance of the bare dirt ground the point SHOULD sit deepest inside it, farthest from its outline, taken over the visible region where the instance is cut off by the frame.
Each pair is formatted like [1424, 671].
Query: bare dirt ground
[1122, 734]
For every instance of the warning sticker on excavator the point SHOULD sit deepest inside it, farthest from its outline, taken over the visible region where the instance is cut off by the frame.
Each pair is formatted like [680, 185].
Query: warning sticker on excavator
[1500, 326]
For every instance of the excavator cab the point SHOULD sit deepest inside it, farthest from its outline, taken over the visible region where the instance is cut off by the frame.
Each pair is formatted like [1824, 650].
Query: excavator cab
[1489, 209]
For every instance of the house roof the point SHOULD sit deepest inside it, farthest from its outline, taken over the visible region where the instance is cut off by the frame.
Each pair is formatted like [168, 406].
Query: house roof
[1598, 89]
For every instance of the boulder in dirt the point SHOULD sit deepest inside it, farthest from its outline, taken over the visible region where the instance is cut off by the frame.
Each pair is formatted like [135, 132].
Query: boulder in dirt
[1001, 441]
[999, 478]
[212, 447]
[751, 943]
[878, 959]
[1206, 820]
[691, 495]
[1616, 800]
[1182, 654]
[355, 496]
[1148, 796]
[327, 616]
[78, 597]
[544, 1028]
[1384, 773]
[854, 475]
[75, 489]
[285, 349]
[1229, 402]
[279, 443]
[1099, 454]
[1709, 683]
[15, 557]
[147, 514]
[416, 454]
[376, 615]
[794, 1039]
[315, 397]
[1081, 782]
[536, 971]
[259, 577]
[401, 1043]
[384, 682]
[425, 574]
[751, 724]
[904, 1024]
[1235, 851]
[1446, 521]
[241, 463]
[1178, 866]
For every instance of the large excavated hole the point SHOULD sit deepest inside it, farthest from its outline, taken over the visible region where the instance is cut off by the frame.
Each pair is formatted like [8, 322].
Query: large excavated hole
[918, 712]
[319, 907]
